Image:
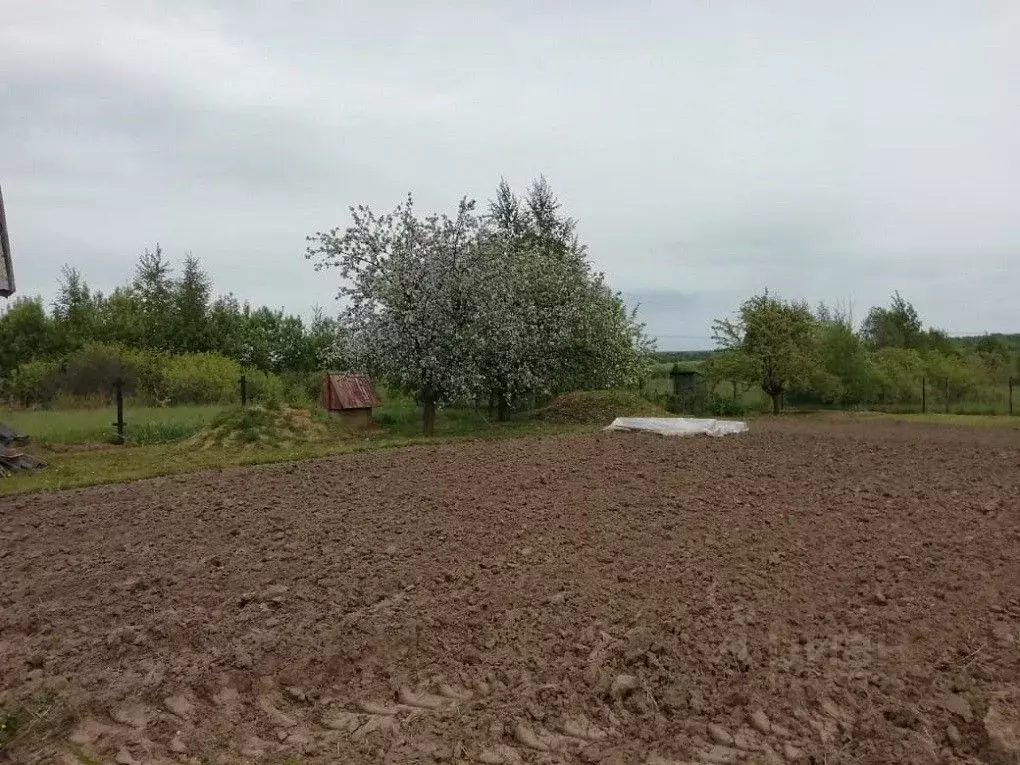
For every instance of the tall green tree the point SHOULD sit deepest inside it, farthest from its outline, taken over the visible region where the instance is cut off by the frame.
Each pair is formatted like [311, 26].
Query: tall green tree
[28, 333]
[120, 320]
[551, 323]
[153, 287]
[844, 367]
[897, 326]
[190, 301]
[75, 307]
[775, 343]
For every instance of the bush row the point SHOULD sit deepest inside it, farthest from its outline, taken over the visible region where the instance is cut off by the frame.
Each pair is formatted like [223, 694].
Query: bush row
[150, 376]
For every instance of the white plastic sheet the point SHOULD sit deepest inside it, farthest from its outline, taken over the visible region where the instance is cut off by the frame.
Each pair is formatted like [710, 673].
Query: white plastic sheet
[679, 426]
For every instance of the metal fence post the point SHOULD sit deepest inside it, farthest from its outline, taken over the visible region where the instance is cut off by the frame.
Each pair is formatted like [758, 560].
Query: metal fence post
[244, 390]
[924, 395]
[1010, 396]
[947, 395]
[118, 394]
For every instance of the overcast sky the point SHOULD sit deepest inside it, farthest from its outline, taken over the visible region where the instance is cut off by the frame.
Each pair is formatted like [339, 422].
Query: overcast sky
[828, 150]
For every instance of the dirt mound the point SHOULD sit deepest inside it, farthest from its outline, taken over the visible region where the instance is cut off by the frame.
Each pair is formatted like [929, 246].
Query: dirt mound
[256, 426]
[805, 594]
[600, 407]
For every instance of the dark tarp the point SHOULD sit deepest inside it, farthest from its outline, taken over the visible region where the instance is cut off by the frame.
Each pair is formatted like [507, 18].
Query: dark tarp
[6, 266]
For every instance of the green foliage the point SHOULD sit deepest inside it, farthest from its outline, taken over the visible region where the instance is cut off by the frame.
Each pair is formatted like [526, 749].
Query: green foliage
[34, 383]
[895, 327]
[149, 376]
[159, 314]
[200, 378]
[896, 374]
[505, 306]
[843, 376]
[93, 369]
[190, 303]
[28, 333]
[725, 406]
[823, 361]
[772, 343]
[681, 356]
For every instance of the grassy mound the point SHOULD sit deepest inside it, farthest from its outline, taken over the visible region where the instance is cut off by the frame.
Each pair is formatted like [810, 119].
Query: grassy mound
[600, 407]
[257, 426]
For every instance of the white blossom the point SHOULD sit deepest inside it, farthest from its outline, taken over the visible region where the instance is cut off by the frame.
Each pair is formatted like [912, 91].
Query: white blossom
[464, 306]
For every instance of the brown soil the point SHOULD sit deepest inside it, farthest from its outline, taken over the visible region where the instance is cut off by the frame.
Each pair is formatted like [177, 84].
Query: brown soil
[827, 593]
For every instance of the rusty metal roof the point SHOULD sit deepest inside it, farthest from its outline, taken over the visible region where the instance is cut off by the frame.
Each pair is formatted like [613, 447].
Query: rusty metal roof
[348, 391]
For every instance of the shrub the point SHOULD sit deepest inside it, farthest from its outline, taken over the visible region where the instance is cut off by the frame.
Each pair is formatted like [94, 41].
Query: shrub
[268, 389]
[93, 369]
[34, 383]
[87, 375]
[201, 378]
[725, 406]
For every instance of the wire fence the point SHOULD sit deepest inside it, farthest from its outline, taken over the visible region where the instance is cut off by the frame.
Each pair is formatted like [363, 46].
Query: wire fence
[694, 393]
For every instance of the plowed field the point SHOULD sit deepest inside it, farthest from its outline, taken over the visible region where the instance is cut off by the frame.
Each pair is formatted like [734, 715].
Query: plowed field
[808, 592]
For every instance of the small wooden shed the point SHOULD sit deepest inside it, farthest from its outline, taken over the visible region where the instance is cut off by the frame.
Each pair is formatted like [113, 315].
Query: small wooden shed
[685, 382]
[349, 397]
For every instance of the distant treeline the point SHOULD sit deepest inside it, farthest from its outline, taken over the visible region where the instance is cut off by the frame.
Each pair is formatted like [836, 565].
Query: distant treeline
[682, 355]
[890, 359]
[991, 341]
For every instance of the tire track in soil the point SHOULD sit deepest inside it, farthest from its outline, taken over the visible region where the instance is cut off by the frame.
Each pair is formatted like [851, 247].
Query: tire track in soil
[846, 592]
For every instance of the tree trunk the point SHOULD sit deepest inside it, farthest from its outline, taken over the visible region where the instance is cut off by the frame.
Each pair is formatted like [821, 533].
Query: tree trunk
[777, 406]
[492, 404]
[503, 407]
[429, 413]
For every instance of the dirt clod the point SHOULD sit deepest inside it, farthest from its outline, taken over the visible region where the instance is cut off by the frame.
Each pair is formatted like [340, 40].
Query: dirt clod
[180, 705]
[422, 700]
[957, 705]
[530, 738]
[760, 722]
[792, 753]
[132, 715]
[953, 734]
[720, 735]
[622, 686]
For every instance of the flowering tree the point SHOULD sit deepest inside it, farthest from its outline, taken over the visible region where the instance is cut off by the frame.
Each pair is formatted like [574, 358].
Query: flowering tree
[408, 284]
[505, 305]
[529, 295]
[572, 331]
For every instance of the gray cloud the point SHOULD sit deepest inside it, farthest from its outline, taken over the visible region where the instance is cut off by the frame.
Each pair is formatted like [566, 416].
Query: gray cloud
[825, 150]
